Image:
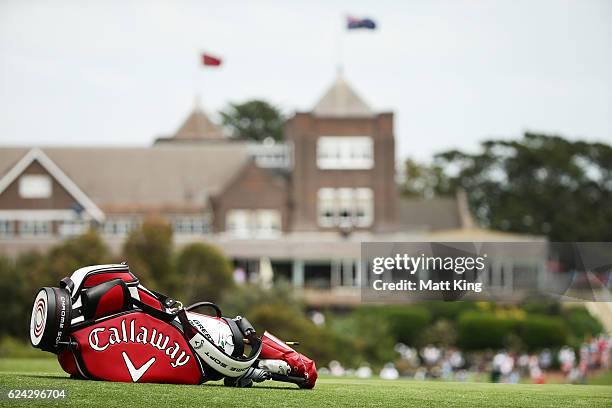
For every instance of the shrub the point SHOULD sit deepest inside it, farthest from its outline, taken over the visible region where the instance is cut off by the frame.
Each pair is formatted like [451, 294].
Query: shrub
[363, 337]
[539, 332]
[15, 304]
[406, 323]
[477, 331]
[448, 310]
[282, 313]
[149, 253]
[541, 306]
[441, 333]
[203, 273]
[72, 254]
[581, 324]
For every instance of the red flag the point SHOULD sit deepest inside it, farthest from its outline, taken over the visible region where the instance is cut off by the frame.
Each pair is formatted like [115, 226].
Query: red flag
[210, 61]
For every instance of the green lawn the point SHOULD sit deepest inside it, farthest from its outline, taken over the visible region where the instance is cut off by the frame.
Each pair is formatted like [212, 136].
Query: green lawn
[45, 373]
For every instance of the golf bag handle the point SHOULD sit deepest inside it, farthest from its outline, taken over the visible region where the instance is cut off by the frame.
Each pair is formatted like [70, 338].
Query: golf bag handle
[205, 304]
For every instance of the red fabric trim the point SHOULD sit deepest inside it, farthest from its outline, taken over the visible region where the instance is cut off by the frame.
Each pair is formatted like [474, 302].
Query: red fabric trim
[98, 278]
[149, 300]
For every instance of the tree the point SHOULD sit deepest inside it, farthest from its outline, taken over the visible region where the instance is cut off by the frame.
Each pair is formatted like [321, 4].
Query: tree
[148, 251]
[539, 184]
[21, 279]
[422, 180]
[253, 120]
[14, 300]
[70, 255]
[203, 273]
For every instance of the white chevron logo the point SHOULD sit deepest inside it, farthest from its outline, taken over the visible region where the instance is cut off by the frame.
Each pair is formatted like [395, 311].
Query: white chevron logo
[136, 373]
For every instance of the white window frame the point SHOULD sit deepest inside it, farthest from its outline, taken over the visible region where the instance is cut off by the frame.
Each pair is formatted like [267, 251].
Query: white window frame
[268, 223]
[119, 226]
[35, 228]
[326, 207]
[345, 153]
[237, 223]
[72, 228]
[7, 228]
[364, 207]
[35, 186]
[259, 223]
[349, 207]
[190, 225]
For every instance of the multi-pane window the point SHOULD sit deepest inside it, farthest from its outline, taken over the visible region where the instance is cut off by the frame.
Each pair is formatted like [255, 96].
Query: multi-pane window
[35, 186]
[345, 152]
[268, 223]
[345, 207]
[327, 207]
[34, 228]
[237, 223]
[264, 223]
[364, 207]
[119, 225]
[74, 227]
[6, 228]
[190, 225]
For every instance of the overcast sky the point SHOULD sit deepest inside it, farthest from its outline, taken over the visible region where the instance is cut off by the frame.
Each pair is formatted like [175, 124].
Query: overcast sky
[454, 72]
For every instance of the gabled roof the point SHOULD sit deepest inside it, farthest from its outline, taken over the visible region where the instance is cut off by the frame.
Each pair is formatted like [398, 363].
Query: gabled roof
[164, 178]
[36, 154]
[341, 100]
[197, 126]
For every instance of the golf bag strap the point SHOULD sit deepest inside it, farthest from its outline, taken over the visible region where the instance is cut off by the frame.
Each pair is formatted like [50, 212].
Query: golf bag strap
[158, 314]
[238, 337]
[205, 304]
[214, 356]
[165, 300]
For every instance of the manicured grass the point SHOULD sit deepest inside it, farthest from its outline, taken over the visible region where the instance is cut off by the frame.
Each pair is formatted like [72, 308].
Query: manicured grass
[601, 379]
[45, 373]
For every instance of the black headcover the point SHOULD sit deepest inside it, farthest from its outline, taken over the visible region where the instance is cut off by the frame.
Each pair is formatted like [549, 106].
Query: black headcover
[51, 316]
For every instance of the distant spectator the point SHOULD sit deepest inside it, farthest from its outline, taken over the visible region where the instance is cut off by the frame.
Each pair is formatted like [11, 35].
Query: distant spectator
[389, 372]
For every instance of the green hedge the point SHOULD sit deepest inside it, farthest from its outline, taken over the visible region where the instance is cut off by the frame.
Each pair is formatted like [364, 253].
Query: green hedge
[581, 323]
[538, 332]
[406, 323]
[478, 330]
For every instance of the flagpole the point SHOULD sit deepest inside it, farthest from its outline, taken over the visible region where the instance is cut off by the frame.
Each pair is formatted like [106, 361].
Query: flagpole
[339, 49]
[198, 79]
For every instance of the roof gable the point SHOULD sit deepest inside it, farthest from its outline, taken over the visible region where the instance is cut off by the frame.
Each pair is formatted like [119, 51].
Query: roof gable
[341, 100]
[252, 179]
[39, 156]
[198, 126]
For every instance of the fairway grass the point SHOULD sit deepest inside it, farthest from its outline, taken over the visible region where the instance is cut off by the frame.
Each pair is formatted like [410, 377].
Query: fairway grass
[335, 392]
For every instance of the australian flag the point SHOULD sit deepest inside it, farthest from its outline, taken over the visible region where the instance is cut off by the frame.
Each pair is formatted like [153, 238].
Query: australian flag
[353, 23]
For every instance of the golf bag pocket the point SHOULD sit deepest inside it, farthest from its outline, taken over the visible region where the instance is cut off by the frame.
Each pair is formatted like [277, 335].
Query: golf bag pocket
[105, 299]
[133, 347]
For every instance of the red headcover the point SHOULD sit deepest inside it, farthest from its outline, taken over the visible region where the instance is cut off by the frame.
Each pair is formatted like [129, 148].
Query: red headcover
[302, 366]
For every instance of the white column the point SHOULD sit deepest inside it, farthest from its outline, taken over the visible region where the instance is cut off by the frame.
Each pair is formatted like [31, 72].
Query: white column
[297, 273]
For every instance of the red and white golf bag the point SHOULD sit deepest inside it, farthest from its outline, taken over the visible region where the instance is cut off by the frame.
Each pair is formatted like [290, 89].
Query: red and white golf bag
[104, 325]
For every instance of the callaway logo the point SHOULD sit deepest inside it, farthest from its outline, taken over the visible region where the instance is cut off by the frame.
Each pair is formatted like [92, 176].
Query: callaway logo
[101, 337]
[136, 373]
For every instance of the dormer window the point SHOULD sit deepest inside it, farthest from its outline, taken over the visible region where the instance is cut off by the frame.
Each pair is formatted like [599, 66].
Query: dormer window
[345, 153]
[35, 186]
